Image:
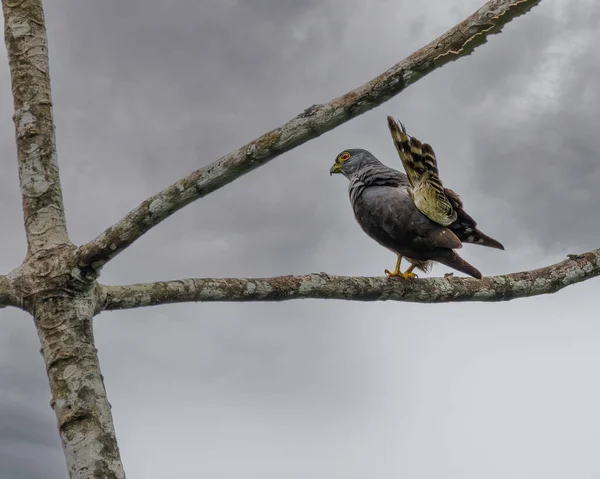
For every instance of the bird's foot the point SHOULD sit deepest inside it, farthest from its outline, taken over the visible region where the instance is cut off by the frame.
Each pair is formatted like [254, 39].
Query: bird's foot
[397, 274]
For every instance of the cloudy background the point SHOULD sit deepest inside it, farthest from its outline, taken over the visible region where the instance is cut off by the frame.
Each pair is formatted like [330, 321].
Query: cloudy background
[146, 91]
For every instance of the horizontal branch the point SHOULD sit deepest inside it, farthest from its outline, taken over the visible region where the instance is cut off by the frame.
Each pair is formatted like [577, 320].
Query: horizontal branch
[9, 295]
[549, 279]
[311, 123]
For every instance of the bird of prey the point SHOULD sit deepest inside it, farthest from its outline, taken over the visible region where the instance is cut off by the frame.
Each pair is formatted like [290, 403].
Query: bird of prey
[411, 214]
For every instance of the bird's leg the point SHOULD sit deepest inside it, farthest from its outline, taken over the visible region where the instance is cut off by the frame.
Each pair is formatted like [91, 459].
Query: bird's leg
[396, 270]
[408, 274]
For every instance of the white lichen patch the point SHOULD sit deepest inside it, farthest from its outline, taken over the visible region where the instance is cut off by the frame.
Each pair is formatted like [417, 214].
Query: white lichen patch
[572, 275]
[484, 294]
[70, 371]
[35, 184]
[157, 205]
[251, 149]
[264, 288]
[142, 299]
[308, 285]
[34, 181]
[26, 121]
[250, 288]
[213, 292]
[39, 59]
[47, 228]
[17, 27]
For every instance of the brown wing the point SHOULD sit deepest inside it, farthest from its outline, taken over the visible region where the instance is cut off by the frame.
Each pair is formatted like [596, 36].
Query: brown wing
[420, 165]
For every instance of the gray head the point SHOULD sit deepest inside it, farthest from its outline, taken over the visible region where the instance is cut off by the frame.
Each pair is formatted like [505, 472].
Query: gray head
[349, 162]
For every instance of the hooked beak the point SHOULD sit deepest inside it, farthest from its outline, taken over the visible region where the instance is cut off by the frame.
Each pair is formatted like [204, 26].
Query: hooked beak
[334, 169]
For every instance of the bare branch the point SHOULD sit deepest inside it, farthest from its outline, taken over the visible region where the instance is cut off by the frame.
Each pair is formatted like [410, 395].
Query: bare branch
[27, 46]
[83, 414]
[311, 123]
[549, 279]
[9, 295]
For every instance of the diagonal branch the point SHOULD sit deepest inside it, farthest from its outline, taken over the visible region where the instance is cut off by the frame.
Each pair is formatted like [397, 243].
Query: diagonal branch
[549, 279]
[27, 46]
[313, 122]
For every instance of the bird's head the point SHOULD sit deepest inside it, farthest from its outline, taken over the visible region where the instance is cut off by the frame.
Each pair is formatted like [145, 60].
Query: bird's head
[348, 162]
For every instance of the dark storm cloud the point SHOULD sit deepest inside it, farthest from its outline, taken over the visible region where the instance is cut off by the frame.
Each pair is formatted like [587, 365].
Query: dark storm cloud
[544, 161]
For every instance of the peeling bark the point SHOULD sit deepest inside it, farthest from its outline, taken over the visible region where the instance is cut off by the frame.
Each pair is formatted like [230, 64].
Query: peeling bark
[549, 279]
[311, 123]
[27, 46]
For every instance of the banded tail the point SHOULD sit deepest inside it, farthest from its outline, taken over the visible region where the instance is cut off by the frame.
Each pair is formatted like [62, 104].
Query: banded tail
[465, 227]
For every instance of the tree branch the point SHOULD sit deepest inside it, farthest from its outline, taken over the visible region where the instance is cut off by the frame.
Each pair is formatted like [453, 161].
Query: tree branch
[83, 414]
[549, 279]
[311, 123]
[9, 295]
[27, 46]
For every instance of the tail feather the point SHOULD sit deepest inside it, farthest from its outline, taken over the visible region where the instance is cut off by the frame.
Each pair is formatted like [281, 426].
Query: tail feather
[465, 227]
[451, 259]
[470, 234]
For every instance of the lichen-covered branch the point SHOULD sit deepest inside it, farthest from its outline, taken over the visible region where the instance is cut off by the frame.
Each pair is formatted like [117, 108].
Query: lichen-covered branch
[79, 399]
[9, 294]
[311, 123]
[549, 279]
[27, 46]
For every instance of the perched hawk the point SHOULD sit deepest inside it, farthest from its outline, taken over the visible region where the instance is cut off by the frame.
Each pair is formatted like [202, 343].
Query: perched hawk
[414, 216]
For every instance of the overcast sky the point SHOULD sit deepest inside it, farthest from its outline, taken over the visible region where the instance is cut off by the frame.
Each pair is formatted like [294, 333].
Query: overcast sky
[146, 91]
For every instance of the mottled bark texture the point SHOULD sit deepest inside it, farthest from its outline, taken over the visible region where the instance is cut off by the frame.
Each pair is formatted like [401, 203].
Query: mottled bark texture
[9, 294]
[311, 123]
[57, 282]
[60, 296]
[78, 396]
[63, 305]
[546, 280]
[27, 46]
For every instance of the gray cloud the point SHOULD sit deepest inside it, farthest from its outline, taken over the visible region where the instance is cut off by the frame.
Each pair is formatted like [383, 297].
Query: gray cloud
[29, 443]
[146, 92]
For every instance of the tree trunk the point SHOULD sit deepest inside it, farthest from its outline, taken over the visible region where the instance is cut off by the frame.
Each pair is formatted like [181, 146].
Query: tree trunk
[64, 325]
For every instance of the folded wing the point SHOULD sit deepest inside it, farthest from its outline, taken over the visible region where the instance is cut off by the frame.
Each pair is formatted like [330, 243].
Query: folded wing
[420, 164]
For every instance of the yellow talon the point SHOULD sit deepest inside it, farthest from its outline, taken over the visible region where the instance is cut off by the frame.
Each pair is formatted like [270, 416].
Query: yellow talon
[408, 274]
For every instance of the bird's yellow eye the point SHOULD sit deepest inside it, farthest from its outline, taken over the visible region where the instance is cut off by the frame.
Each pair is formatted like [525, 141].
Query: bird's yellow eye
[344, 156]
